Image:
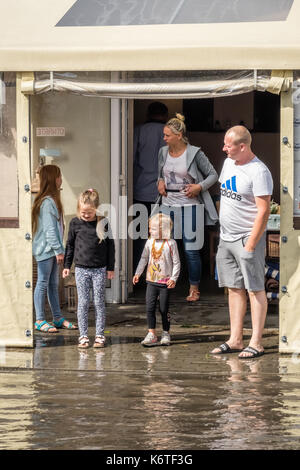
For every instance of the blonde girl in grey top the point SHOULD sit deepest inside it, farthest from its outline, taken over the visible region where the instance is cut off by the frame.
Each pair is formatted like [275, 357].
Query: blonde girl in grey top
[161, 257]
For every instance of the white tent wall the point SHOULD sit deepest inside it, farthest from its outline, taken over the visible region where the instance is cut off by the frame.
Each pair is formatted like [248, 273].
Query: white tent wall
[15, 246]
[8, 151]
[289, 333]
[33, 37]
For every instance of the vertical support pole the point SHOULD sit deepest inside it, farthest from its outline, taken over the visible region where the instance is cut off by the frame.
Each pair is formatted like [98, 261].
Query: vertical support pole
[124, 203]
[25, 246]
[130, 136]
[289, 322]
[115, 151]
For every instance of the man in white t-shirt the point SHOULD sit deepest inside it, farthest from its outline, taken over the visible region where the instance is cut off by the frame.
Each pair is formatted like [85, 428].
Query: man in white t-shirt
[246, 189]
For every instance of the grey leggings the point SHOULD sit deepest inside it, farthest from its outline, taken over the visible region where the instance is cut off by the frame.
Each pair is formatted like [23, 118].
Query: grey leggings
[85, 279]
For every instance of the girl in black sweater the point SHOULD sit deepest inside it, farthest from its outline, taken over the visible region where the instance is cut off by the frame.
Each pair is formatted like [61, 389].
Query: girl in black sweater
[91, 246]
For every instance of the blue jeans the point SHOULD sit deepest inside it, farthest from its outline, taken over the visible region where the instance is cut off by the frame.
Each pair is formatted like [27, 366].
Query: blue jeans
[185, 226]
[47, 283]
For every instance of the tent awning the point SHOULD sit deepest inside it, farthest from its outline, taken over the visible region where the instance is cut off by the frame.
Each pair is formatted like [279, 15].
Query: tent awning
[69, 35]
[201, 84]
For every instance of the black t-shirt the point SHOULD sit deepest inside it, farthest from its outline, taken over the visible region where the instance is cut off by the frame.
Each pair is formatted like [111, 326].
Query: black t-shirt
[84, 249]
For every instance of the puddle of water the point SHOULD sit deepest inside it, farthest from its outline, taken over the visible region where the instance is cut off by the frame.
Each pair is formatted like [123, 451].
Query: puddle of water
[226, 405]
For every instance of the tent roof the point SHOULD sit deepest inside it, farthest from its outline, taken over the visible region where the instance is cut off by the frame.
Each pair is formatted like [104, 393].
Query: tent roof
[103, 35]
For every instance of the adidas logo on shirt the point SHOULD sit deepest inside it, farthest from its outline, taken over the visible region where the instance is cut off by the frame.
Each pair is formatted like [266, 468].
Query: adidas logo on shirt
[228, 189]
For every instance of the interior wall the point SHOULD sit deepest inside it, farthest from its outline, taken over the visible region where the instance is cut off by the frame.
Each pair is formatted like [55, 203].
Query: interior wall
[140, 109]
[239, 109]
[265, 145]
[85, 148]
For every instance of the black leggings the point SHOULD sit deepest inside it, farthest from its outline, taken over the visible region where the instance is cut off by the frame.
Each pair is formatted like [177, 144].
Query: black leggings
[152, 293]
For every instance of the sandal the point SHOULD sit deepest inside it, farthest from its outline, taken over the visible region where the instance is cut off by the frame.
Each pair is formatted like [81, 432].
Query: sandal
[83, 342]
[225, 349]
[99, 342]
[47, 327]
[60, 324]
[193, 296]
[253, 353]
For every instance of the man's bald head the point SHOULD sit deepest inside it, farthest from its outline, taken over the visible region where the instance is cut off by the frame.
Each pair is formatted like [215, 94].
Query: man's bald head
[240, 135]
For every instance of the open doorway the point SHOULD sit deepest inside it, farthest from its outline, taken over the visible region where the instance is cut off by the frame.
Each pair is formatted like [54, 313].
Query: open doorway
[206, 121]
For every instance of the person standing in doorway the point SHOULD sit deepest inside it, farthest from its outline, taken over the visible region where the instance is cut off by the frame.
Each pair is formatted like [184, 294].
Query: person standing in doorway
[148, 138]
[48, 249]
[246, 189]
[184, 176]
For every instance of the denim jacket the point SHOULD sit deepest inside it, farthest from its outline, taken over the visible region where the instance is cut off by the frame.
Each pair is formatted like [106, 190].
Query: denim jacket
[47, 241]
[200, 168]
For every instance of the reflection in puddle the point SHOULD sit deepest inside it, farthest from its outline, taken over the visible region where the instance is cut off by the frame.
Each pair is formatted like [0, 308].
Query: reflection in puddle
[252, 407]
[245, 407]
[290, 411]
[129, 397]
[161, 400]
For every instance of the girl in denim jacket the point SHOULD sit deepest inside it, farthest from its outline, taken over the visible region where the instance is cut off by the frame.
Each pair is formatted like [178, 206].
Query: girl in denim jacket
[48, 249]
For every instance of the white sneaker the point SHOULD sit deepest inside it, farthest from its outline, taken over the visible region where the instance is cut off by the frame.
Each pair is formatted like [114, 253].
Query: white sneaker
[149, 340]
[165, 338]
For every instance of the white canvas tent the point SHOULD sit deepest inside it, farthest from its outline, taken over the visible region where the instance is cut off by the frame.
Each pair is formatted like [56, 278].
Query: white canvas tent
[258, 37]
[59, 35]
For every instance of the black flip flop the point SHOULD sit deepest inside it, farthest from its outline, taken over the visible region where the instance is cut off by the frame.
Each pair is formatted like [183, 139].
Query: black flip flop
[226, 349]
[254, 353]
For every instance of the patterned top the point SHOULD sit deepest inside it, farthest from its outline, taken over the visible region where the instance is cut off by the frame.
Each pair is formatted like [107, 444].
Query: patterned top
[166, 267]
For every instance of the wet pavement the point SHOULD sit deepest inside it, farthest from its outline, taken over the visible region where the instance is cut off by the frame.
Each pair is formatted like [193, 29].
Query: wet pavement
[129, 397]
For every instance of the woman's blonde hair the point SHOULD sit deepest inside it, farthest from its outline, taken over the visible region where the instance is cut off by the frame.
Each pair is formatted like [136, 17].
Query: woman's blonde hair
[177, 126]
[48, 175]
[164, 223]
[90, 197]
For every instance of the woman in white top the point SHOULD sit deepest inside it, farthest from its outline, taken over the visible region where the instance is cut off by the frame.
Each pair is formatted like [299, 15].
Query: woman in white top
[185, 174]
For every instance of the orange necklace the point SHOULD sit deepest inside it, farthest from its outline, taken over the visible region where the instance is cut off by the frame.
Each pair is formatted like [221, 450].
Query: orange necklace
[156, 254]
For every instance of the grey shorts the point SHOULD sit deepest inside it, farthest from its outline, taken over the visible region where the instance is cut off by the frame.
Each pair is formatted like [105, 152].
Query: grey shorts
[239, 269]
